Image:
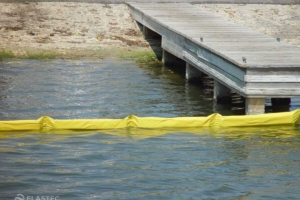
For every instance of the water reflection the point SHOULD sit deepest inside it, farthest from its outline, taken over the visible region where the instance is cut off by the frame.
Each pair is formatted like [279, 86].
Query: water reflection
[240, 133]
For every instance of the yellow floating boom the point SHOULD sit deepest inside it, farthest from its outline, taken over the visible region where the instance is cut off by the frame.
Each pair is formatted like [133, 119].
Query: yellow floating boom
[215, 121]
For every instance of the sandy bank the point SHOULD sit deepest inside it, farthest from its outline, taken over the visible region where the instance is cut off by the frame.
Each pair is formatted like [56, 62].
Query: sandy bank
[282, 2]
[68, 30]
[73, 30]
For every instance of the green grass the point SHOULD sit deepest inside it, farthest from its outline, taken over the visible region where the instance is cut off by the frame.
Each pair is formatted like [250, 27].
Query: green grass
[41, 55]
[6, 54]
[139, 56]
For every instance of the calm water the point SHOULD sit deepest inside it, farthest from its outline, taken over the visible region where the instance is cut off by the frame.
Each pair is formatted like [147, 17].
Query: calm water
[245, 163]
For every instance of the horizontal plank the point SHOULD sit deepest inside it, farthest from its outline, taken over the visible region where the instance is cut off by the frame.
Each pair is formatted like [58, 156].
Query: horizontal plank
[272, 78]
[273, 71]
[267, 92]
[172, 48]
[274, 85]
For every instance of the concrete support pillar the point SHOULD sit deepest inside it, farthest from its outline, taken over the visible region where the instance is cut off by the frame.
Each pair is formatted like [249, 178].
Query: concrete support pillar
[192, 74]
[148, 33]
[255, 106]
[222, 94]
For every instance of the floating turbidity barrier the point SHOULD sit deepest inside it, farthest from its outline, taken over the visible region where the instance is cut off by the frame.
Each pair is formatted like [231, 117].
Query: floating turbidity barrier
[214, 121]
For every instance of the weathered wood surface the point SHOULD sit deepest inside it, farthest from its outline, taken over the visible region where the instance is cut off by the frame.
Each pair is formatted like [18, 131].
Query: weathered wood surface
[282, 2]
[194, 23]
[235, 56]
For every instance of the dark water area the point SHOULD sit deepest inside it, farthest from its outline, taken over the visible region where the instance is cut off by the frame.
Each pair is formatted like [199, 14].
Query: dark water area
[96, 89]
[236, 163]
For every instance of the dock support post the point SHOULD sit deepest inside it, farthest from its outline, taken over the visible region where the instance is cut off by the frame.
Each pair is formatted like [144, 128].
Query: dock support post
[172, 62]
[167, 58]
[222, 94]
[281, 104]
[192, 74]
[148, 33]
[255, 106]
[281, 101]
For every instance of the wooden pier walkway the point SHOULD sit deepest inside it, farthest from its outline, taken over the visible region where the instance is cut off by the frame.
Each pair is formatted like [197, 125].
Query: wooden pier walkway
[237, 58]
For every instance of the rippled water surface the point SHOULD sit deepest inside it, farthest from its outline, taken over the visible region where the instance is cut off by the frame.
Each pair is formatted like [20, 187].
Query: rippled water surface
[244, 163]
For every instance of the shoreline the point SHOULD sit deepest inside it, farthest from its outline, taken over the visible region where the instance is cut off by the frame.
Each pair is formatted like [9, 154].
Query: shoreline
[279, 2]
[139, 54]
[84, 30]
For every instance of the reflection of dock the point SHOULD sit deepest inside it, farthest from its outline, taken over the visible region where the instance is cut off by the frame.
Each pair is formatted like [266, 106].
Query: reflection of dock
[249, 63]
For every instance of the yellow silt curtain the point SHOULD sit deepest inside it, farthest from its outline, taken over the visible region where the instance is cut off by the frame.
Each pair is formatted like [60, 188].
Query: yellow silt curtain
[213, 121]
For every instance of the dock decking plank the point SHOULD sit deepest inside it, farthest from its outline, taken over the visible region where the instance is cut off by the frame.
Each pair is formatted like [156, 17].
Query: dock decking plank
[224, 47]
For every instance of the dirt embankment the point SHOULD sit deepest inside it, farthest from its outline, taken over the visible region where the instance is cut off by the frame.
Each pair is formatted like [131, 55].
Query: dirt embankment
[72, 30]
[68, 29]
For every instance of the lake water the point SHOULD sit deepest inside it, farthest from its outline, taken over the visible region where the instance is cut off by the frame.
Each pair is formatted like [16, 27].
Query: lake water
[244, 163]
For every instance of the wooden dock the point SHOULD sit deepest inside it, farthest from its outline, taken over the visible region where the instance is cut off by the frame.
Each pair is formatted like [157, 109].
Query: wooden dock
[254, 65]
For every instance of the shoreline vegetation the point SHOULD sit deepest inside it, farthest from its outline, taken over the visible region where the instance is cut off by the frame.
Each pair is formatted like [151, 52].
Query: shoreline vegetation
[140, 55]
[68, 30]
